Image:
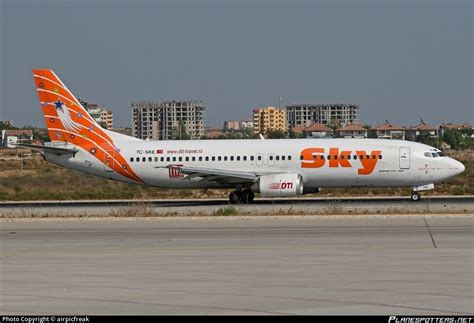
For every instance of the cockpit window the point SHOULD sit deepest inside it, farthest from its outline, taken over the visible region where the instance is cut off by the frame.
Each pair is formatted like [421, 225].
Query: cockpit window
[427, 154]
[441, 154]
[435, 155]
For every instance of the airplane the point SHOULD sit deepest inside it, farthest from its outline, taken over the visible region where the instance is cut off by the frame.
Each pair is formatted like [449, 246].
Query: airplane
[269, 167]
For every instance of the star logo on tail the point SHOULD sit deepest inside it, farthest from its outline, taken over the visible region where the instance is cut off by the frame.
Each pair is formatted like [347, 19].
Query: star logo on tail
[64, 115]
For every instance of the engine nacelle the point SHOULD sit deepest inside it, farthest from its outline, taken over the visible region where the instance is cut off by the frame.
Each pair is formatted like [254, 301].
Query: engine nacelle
[279, 185]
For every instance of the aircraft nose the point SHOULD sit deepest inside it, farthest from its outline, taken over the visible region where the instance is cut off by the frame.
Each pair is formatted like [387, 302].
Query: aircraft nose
[462, 168]
[457, 167]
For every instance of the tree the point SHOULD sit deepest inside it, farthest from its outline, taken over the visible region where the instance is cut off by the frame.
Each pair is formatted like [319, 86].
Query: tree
[276, 134]
[179, 132]
[39, 133]
[292, 134]
[453, 138]
[371, 133]
[334, 125]
[425, 138]
[5, 125]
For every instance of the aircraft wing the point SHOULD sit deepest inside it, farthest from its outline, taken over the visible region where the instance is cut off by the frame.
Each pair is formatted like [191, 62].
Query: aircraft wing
[50, 149]
[217, 175]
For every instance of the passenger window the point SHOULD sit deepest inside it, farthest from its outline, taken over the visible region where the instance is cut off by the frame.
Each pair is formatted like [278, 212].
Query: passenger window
[244, 158]
[238, 158]
[187, 158]
[207, 158]
[289, 157]
[193, 158]
[131, 159]
[162, 159]
[374, 157]
[138, 159]
[283, 157]
[167, 159]
[361, 157]
[149, 159]
[174, 159]
[335, 157]
[252, 158]
[355, 157]
[156, 159]
[321, 157]
[367, 156]
[259, 157]
[329, 157]
[348, 157]
[219, 158]
[380, 156]
[342, 156]
[200, 158]
[225, 158]
[180, 159]
[213, 158]
[270, 157]
[301, 157]
[144, 159]
[231, 158]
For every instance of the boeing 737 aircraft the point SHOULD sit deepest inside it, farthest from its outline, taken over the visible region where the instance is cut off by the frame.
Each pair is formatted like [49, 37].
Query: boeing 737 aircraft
[272, 168]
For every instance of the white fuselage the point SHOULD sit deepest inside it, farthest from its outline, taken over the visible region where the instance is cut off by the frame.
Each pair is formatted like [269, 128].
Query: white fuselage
[325, 163]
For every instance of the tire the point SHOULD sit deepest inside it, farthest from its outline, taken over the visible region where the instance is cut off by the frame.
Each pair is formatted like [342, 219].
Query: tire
[247, 196]
[234, 197]
[415, 196]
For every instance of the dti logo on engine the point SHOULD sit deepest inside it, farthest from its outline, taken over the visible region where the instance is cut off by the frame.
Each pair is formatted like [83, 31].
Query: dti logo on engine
[315, 158]
[281, 186]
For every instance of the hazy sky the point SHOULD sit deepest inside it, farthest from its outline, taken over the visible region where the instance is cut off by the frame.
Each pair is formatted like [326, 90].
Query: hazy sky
[398, 60]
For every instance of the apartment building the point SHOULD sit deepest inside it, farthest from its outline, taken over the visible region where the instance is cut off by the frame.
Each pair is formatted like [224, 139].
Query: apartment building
[168, 120]
[231, 125]
[269, 118]
[343, 114]
[100, 114]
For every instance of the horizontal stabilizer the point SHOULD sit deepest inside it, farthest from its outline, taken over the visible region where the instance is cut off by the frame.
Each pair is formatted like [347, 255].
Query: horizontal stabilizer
[50, 149]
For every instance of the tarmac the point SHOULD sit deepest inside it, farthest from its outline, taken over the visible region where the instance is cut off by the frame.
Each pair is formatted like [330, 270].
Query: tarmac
[294, 265]
[261, 206]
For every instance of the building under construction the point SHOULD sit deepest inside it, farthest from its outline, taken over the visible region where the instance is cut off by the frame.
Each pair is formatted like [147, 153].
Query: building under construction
[306, 114]
[168, 120]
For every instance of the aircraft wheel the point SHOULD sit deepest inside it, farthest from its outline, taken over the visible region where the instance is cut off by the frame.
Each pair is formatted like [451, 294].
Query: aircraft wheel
[415, 196]
[234, 197]
[247, 196]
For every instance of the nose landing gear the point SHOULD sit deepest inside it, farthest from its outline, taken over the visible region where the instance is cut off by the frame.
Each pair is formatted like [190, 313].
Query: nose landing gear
[415, 196]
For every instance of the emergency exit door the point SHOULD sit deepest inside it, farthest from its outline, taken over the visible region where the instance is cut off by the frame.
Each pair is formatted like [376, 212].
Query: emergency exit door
[404, 157]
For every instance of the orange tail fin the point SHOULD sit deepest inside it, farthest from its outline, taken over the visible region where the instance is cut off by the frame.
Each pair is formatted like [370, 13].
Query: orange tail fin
[68, 121]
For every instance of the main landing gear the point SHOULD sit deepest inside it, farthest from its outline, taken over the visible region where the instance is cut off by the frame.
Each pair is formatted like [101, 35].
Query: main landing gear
[241, 197]
[415, 196]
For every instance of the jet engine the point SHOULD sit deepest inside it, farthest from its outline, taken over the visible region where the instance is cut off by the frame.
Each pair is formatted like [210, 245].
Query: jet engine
[279, 185]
